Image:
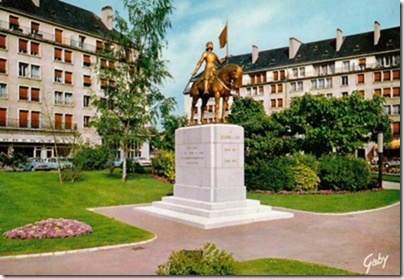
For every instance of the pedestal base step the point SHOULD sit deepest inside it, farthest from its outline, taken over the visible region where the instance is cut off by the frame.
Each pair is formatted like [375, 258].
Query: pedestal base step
[213, 215]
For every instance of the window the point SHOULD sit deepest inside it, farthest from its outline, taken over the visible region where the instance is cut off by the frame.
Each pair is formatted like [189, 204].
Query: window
[58, 120]
[396, 92]
[23, 119]
[59, 36]
[3, 41]
[58, 54]
[282, 73]
[68, 78]
[329, 95]
[386, 110]
[329, 82]
[396, 128]
[273, 88]
[35, 94]
[396, 74]
[22, 46]
[294, 72]
[3, 90]
[104, 64]
[276, 76]
[3, 65]
[69, 99]
[321, 83]
[34, 28]
[23, 93]
[14, 22]
[3, 117]
[35, 116]
[300, 85]
[103, 83]
[87, 81]
[86, 121]
[23, 69]
[378, 92]
[86, 101]
[344, 80]
[377, 76]
[68, 56]
[249, 91]
[280, 103]
[86, 60]
[313, 84]
[254, 91]
[386, 75]
[280, 87]
[58, 98]
[58, 76]
[345, 66]
[35, 72]
[302, 71]
[362, 63]
[34, 48]
[396, 109]
[361, 78]
[99, 46]
[273, 103]
[344, 94]
[82, 40]
[386, 92]
[293, 86]
[362, 93]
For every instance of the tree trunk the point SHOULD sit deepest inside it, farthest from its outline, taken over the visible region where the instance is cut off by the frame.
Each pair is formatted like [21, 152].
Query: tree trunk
[124, 165]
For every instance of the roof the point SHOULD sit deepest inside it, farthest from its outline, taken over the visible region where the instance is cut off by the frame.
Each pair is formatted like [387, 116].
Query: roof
[353, 45]
[61, 13]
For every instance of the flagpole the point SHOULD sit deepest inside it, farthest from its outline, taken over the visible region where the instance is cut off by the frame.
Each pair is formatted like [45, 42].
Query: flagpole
[227, 43]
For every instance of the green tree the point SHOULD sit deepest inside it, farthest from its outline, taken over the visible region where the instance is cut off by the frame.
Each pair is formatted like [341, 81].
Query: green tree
[133, 99]
[165, 140]
[319, 125]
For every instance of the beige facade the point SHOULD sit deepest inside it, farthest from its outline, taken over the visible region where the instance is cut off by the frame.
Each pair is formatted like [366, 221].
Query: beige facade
[46, 80]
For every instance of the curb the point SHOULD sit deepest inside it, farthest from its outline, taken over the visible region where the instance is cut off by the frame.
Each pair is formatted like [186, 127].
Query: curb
[340, 214]
[60, 253]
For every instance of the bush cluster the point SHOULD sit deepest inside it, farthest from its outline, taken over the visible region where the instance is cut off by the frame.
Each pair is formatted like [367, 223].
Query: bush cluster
[302, 172]
[207, 261]
[164, 165]
[92, 158]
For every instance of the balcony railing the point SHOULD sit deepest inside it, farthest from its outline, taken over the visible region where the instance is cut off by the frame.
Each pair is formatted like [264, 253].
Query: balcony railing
[47, 36]
[41, 125]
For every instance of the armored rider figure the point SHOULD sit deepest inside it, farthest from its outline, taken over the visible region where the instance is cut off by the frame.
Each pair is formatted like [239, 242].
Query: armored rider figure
[210, 59]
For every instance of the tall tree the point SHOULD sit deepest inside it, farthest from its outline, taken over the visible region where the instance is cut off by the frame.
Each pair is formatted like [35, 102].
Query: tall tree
[133, 99]
[166, 139]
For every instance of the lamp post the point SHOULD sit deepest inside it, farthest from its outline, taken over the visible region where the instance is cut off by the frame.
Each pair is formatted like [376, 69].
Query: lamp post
[380, 153]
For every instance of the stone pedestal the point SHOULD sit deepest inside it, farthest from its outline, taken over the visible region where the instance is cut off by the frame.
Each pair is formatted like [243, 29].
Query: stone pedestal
[209, 191]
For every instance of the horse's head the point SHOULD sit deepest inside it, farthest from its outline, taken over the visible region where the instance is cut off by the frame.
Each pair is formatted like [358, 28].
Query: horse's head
[236, 76]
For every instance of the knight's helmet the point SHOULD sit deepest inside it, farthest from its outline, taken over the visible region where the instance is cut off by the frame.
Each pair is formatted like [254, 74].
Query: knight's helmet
[209, 45]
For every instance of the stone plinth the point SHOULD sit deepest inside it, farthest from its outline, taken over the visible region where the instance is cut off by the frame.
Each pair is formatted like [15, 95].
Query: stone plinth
[209, 191]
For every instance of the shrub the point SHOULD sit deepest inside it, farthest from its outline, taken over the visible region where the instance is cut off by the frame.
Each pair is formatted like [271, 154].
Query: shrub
[308, 160]
[133, 167]
[92, 158]
[344, 173]
[164, 165]
[305, 179]
[274, 175]
[206, 261]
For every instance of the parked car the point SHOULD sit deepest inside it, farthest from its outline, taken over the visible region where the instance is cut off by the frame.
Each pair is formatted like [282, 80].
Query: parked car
[34, 164]
[53, 163]
[392, 163]
[141, 161]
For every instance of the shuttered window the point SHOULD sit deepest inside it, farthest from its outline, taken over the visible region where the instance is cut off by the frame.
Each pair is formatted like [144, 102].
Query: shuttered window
[58, 36]
[58, 54]
[87, 81]
[14, 22]
[112, 65]
[23, 119]
[35, 94]
[273, 88]
[378, 76]
[282, 75]
[34, 27]
[276, 76]
[273, 103]
[3, 41]
[104, 64]
[23, 46]
[68, 121]
[68, 78]
[280, 103]
[103, 83]
[362, 93]
[58, 120]
[396, 128]
[35, 115]
[3, 65]
[3, 117]
[99, 45]
[362, 61]
[378, 92]
[280, 88]
[68, 56]
[361, 78]
[396, 74]
[386, 75]
[396, 92]
[86, 60]
[23, 93]
[387, 92]
[34, 48]
[58, 75]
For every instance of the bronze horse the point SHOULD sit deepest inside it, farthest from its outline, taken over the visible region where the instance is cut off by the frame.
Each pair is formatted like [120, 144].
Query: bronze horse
[227, 79]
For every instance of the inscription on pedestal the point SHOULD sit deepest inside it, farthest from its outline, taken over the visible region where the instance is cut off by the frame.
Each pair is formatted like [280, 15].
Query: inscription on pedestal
[191, 155]
[230, 155]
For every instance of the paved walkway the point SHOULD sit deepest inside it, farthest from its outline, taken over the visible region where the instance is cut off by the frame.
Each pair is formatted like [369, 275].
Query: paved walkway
[391, 185]
[340, 241]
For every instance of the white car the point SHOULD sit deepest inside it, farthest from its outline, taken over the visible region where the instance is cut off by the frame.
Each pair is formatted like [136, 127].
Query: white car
[141, 161]
[53, 163]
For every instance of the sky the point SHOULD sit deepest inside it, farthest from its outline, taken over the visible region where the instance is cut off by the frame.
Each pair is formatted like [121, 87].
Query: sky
[267, 24]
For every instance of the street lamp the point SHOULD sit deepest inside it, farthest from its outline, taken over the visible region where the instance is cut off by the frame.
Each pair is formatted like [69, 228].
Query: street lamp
[380, 152]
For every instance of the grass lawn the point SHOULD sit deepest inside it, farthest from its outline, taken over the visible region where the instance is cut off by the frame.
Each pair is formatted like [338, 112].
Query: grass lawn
[391, 178]
[29, 197]
[286, 267]
[331, 203]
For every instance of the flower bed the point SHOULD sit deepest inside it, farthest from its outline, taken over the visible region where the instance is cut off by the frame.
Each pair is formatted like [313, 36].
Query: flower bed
[51, 228]
[320, 192]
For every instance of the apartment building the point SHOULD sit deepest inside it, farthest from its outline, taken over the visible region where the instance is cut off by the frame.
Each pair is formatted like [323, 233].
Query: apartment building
[48, 49]
[367, 62]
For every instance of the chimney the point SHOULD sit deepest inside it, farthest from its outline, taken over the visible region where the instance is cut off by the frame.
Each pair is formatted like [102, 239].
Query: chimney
[294, 45]
[340, 39]
[254, 54]
[107, 16]
[377, 33]
[37, 3]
